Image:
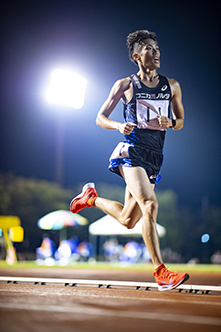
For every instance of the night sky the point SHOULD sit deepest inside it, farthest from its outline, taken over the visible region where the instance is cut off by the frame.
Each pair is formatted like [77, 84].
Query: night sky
[90, 38]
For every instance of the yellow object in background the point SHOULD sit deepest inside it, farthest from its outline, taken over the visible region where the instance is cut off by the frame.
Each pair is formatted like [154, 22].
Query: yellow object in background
[12, 230]
[9, 221]
[16, 233]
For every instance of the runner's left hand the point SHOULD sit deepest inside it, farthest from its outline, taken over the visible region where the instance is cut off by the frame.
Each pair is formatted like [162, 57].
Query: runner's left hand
[164, 122]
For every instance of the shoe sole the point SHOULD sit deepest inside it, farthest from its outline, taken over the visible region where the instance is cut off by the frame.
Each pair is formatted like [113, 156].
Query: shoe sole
[85, 188]
[165, 288]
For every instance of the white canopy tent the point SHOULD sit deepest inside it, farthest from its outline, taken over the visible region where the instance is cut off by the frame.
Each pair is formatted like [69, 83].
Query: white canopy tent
[109, 226]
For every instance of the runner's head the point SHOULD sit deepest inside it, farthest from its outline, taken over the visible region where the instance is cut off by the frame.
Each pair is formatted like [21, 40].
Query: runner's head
[135, 42]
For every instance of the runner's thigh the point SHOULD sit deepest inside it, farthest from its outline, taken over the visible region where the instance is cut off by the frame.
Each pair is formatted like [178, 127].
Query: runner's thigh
[139, 184]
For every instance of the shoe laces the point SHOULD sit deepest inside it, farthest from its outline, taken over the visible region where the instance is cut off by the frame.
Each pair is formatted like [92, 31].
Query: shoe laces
[166, 273]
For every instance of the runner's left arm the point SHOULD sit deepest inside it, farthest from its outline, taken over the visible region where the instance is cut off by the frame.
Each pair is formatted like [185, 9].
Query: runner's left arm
[178, 109]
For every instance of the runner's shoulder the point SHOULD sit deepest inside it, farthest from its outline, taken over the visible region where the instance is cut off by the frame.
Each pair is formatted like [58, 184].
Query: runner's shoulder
[174, 85]
[122, 84]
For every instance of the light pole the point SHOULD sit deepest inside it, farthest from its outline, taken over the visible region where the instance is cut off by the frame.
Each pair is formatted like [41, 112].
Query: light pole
[68, 89]
[59, 160]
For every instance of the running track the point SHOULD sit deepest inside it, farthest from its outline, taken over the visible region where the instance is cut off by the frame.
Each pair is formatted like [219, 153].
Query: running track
[29, 307]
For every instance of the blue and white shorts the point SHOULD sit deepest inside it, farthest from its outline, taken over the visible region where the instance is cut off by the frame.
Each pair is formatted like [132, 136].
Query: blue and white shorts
[132, 155]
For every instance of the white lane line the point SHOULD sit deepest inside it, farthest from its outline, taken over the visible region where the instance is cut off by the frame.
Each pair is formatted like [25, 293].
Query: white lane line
[106, 283]
[79, 293]
[199, 320]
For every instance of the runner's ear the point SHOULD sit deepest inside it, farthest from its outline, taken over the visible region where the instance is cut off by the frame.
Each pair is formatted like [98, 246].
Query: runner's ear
[136, 56]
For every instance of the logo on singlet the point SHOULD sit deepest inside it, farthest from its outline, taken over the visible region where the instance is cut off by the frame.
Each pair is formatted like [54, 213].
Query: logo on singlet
[164, 88]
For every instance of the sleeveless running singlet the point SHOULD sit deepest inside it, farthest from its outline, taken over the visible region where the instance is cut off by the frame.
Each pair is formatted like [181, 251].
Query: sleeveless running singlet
[144, 146]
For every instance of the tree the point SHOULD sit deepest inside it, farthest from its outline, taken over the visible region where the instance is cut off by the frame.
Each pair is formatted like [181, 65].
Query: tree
[31, 199]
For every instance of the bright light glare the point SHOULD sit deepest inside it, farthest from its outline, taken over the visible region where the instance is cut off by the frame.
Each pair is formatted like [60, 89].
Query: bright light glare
[67, 88]
[205, 238]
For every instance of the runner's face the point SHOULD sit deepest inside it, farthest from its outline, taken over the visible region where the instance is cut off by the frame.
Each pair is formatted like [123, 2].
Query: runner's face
[150, 54]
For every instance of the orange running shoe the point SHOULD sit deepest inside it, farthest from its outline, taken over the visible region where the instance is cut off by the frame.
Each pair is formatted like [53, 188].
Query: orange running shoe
[167, 280]
[85, 198]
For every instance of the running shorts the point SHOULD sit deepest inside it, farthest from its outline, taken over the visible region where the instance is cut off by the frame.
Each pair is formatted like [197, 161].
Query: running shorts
[132, 155]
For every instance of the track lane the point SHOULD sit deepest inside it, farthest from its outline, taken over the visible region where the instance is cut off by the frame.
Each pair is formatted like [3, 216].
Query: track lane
[52, 308]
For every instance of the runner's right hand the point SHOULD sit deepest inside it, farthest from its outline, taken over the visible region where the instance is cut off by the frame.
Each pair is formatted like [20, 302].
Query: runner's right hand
[127, 128]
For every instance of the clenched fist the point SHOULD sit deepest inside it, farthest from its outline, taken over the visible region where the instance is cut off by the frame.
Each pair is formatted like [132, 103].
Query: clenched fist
[127, 128]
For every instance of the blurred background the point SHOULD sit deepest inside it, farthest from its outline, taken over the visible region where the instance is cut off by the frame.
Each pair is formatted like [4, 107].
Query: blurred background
[39, 139]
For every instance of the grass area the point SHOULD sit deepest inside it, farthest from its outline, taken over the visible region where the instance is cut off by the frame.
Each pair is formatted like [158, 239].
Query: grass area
[105, 266]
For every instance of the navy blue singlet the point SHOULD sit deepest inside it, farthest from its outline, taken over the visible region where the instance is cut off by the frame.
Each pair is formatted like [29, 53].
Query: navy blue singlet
[144, 146]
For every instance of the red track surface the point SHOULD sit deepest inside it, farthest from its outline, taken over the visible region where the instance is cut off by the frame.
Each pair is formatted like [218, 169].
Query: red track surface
[28, 307]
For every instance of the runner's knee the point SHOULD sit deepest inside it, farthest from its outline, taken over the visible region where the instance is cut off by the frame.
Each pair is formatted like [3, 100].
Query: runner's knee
[151, 208]
[129, 223]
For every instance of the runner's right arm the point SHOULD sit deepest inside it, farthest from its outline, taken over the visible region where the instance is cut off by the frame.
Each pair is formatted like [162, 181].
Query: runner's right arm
[117, 92]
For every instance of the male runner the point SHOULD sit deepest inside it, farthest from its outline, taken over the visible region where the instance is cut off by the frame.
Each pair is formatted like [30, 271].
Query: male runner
[147, 98]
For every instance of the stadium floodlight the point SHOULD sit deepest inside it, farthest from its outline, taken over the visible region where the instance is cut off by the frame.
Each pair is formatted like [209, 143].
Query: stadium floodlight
[67, 88]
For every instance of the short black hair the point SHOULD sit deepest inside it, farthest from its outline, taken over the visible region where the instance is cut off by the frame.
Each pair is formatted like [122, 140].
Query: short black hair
[136, 39]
